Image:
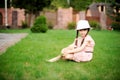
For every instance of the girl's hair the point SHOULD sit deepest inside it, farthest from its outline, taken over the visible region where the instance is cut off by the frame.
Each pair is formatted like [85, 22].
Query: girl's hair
[85, 35]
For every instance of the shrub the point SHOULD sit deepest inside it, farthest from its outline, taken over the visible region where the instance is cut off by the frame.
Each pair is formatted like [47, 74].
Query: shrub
[71, 25]
[40, 25]
[115, 26]
[39, 28]
[95, 25]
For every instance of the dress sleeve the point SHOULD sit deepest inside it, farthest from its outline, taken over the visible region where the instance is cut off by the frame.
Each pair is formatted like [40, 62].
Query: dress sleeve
[87, 41]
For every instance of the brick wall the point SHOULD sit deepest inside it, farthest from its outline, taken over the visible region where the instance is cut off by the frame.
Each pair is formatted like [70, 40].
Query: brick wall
[51, 17]
[2, 11]
[60, 18]
[64, 16]
[20, 17]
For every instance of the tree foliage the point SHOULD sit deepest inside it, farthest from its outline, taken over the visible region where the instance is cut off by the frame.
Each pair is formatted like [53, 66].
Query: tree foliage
[114, 13]
[55, 4]
[76, 4]
[2, 3]
[31, 6]
[80, 5]
[114, 9]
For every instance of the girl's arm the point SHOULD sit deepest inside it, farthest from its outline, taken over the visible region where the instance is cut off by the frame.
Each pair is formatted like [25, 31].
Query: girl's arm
[71, 46]
[78, 49]
[64, 50]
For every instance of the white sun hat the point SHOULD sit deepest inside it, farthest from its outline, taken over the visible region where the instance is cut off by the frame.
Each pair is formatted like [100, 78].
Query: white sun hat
[82, 24]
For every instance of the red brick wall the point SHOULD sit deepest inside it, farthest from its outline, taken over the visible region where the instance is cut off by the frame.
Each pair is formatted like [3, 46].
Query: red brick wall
[51, 17]
[20, 17]
[93, 18]
[109, 21]
[60, 18]
[3, 15]
[64, 16]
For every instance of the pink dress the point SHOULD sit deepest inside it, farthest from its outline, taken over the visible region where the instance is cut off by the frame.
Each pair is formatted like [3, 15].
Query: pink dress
[87, 53]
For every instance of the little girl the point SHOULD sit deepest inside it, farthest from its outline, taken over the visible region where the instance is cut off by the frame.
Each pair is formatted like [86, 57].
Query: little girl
[82, 48]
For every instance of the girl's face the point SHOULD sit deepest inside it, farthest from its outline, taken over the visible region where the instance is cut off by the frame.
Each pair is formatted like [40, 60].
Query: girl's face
[83, 32]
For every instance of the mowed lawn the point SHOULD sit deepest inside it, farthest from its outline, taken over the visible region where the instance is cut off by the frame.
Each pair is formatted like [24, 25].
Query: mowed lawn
[26, 60]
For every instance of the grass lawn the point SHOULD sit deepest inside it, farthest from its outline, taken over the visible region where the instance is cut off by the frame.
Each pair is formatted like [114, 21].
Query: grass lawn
[26, 60]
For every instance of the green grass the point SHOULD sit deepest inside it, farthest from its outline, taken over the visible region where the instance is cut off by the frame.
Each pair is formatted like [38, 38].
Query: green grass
[26, 60]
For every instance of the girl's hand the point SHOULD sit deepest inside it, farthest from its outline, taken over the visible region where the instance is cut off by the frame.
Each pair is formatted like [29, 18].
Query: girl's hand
[68, 51]
[64, 50]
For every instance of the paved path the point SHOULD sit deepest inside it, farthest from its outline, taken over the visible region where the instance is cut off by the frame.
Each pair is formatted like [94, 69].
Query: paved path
[7, 40]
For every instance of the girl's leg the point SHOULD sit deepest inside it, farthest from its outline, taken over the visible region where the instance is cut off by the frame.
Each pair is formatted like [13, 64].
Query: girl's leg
[55, 58]
[62, 55]
[68, 56]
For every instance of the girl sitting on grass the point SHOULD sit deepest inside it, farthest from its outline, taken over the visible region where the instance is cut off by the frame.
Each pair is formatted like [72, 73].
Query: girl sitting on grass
[82, 48]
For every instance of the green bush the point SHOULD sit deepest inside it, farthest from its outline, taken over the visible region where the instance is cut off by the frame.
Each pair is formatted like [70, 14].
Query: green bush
[95, 25]
[71, 25]
[115, 26]
[40, 25]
